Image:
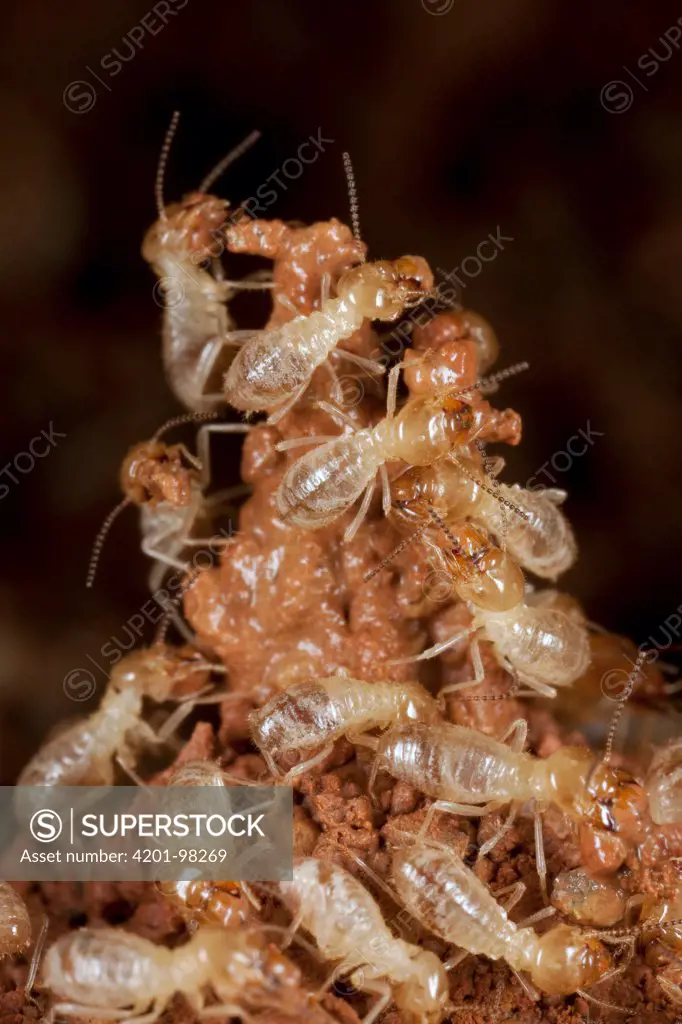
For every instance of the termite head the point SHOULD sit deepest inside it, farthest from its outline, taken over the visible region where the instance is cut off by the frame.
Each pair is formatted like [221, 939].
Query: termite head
[382, 290]
[567, 960]
[426, 994]
[661, 920]
[153, 471]
[188, 230]
[266, 970]
[615, 802]
[155, 671]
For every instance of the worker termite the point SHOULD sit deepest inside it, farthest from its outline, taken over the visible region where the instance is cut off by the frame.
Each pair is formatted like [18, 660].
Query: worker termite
[348, 926]
[15, 924]
[84, 753]
[218, 903]
[167, 483]
[470, 773]
[661, 926]
[594, 901]
[308, 715]
[273, 368]
[446, 897]
[196, 322]
[542, 647]
[325, 482]
[541, 540]
[117, 975]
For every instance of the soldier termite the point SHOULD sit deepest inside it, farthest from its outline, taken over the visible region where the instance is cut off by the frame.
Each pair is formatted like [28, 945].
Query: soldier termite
[542, 541]
[446, 897]
[313, 714]
[111, 974]
[348, 926]
[167, 483]
[196, 322]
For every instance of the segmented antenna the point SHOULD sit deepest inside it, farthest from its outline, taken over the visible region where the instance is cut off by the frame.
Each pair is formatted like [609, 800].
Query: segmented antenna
[99, 541]
[352, 196]
[494, 378]
[492, 492]
[177, 421]
[396, 551]
[230, 158]
[161, 166]
[173, 604]
[608, 748]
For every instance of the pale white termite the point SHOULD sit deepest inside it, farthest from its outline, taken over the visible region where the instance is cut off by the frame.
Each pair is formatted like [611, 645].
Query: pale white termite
[446, 897]
[348, 926]
[316, 713]
[196, 322]
[111, 974]
[325, 482]
[15, 924]
[543, 647]
[470, 773]
[273, 368]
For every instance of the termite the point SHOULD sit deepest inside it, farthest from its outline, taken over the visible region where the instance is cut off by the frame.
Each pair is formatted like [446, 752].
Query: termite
[348, 926]
[196, 322]
[446, 897]
[308, 715]
[325, 482]
[595, 901]
[117, 975]
[541, 540]
[469, 773]
[661, 923]
[273, 368]
[167, 483]
[84, 753]
[15, 924]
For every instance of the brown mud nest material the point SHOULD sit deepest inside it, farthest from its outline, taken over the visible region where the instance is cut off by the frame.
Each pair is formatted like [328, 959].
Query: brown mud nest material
[284, 606]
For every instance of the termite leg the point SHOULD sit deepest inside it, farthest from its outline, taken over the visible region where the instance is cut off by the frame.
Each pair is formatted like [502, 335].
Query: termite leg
[539, 915]
[491, 843]
[519, 731]
[453, 808]
[479, 672]
[285, 301]
[291, 930]
[337, 414]
[379, 882]
[517, 889]
[433, 652]
[384, 993]
[540, 862]
[325, 288]
[309, 763]
[204, 446]
[526, 986]
[392, 388]
[277, 415]
[362, 512]
[96, 1012]
[299, 442]
[370, 365]
[207, 361]
[36, 957]
[386, 500]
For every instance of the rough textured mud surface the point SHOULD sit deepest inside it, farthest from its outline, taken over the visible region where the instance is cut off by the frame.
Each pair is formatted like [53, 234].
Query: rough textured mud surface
[284, 605]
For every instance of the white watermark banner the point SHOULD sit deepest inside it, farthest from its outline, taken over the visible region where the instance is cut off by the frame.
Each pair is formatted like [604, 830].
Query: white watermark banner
[146, 833]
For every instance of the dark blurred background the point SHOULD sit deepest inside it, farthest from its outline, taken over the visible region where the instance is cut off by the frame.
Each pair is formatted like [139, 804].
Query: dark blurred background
[461, 117]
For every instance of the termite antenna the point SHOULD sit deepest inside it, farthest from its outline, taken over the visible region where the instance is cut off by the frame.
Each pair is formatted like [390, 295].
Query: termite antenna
[172, 606]
[161, 166]
[177, 421]
[443, 526]
[396, 551]
[99, 541]
[230, 158]
[608, 747]
[494, 378]
[491, 491]
[352, 196]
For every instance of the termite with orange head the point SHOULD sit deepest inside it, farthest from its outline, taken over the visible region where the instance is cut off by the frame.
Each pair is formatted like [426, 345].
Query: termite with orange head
[274, 367]
[448, 899]
[167, 483]
[15, 924]
[324, 483]
[196, 322]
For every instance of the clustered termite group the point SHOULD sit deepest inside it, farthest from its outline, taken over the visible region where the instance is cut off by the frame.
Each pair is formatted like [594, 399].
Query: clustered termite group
[442, 506]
